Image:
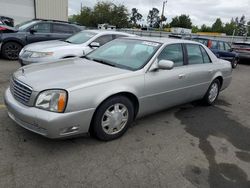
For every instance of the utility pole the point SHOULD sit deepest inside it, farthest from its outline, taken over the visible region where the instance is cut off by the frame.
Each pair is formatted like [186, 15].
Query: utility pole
[163, 10]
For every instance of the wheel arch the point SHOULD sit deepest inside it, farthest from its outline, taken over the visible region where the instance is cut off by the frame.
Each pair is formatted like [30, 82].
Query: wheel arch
[132, 97]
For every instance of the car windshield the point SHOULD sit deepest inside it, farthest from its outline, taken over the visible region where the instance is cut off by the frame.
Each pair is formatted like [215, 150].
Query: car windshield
[124, 53]
[80, 37]
[25, 25]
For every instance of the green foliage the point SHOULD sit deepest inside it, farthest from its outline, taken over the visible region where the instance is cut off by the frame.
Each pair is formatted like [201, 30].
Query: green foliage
[103, 12]
[135, 17]
[153, 18]
[217, 26]
[195, 29]
[183, 21]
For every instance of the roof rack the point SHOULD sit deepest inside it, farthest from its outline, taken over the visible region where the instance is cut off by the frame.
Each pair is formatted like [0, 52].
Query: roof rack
[50, 20]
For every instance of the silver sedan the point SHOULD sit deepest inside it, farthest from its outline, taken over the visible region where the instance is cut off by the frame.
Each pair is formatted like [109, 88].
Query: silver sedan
[106, 90]
[75, 46]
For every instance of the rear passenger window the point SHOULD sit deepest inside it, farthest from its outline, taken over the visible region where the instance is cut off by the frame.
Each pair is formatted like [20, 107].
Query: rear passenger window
[194, 54]
[104, 39]
[206, 58]
[173, 53]
[62, 28]
[221, 46]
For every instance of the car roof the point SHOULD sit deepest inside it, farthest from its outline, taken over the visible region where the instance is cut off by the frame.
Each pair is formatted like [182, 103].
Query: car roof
[163, 40]
[108, 32]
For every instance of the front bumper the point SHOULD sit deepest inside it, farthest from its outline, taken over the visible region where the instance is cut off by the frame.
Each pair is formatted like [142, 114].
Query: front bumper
[48, 124]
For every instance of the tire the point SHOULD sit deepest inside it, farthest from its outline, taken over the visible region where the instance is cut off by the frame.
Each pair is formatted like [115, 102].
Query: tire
[112, 118]
[11, 50]
[212, 93]
[234, 63]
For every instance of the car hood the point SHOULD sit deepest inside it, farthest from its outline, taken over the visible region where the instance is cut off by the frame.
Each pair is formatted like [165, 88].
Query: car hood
[47, 46]
[66, 74]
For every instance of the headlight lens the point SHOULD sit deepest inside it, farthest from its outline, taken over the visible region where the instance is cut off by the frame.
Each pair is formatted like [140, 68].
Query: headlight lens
[41, 54]
[52, 100]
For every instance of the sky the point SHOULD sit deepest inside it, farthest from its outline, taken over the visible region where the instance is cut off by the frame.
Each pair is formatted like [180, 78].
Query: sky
[200, 11]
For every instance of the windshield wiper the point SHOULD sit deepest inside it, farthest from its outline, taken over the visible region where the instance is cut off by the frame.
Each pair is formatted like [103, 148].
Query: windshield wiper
[103, 62]
[67, 41]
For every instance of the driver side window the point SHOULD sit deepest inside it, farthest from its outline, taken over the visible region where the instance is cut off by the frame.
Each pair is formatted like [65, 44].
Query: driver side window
[173, 52]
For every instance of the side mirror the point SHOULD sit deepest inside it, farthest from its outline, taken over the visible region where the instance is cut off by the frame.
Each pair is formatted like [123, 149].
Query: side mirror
[165, 64]
[94, 45]
[32, 31]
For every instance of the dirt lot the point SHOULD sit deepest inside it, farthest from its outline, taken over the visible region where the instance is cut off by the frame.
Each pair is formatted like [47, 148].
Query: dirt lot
[186, 146]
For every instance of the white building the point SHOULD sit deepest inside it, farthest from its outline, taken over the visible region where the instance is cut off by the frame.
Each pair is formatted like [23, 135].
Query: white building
[23, 10]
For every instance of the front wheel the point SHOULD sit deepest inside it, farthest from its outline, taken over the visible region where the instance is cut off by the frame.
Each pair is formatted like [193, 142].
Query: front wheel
[212, 93]
[113, 118]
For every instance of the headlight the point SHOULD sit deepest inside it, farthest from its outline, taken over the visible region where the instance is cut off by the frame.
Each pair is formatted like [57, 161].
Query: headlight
[21, 52]
[41, 54]
[52, 100]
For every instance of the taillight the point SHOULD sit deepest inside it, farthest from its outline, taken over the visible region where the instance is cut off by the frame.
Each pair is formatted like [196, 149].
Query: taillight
[3, 28]
[209, 44]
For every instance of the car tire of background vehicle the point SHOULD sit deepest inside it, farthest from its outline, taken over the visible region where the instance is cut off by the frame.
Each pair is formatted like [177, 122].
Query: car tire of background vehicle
[11, 50]
[212, 93]
[234, 63]
[112, 118]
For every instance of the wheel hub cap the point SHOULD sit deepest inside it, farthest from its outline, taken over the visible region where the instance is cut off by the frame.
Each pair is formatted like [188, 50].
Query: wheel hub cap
[115, 119]
[213, 92]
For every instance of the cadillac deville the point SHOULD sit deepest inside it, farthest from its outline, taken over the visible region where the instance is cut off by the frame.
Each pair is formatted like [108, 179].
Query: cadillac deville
[103, 92]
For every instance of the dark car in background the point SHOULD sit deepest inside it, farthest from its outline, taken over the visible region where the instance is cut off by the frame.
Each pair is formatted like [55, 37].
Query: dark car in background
[243, 49]
[32, 31]
[6, 21]
[221, 49]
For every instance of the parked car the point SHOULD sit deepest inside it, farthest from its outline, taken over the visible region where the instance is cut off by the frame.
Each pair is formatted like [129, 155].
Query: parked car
[32, 31]
[4, 20]
[75, 46]
[243, 49]
[221, 49]
[106, 90]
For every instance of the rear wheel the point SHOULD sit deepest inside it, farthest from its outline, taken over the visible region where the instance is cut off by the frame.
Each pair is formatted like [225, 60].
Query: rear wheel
[113, 118]
[234, 63]
[212, 93]
[11, 50]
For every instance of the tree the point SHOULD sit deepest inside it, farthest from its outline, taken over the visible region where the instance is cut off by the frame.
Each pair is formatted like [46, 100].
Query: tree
[217, 26]
[242, 30]
[230, 28]
[153, 18]
[183, 21]
[195, 29]
[103, 12]
[205, 28]
[135, 17]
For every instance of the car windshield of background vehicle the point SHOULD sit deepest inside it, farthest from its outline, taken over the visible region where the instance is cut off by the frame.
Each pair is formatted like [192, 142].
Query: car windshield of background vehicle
[125, 53]
[80, 37]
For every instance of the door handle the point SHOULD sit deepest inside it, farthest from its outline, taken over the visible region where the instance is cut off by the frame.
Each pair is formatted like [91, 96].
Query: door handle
[181, 76]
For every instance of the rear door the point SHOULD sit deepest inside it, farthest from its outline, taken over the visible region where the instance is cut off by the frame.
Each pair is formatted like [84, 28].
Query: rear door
[42, 32]
[199, 71]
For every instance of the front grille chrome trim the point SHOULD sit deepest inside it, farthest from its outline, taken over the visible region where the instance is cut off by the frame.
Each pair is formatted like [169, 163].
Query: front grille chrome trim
[21, 91]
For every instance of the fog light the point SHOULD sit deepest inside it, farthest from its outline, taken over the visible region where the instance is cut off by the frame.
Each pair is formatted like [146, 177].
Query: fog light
[70, 130]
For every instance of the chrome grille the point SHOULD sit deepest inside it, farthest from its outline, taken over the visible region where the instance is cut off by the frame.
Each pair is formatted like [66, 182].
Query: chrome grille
[21, 91]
